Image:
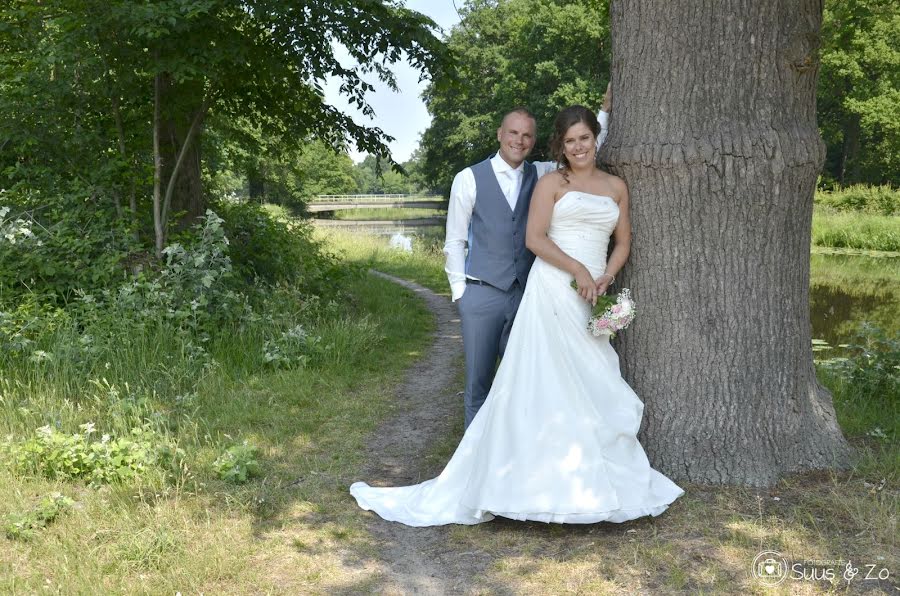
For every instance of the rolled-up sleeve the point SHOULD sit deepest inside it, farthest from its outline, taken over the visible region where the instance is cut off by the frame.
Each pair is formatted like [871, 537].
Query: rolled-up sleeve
[459, 215]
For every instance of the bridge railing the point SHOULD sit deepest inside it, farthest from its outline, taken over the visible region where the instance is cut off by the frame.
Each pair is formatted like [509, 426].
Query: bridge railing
[385, 198]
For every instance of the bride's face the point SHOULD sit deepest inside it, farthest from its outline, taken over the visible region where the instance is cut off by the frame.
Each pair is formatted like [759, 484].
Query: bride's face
[579, 145]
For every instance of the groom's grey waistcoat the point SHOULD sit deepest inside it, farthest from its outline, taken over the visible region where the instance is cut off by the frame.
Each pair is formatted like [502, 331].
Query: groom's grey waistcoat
[497, 253]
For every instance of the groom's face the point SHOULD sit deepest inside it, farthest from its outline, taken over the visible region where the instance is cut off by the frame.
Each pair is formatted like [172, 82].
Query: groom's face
[516, 138]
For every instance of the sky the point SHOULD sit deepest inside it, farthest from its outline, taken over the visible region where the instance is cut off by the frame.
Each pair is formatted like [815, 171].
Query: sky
[401, 115]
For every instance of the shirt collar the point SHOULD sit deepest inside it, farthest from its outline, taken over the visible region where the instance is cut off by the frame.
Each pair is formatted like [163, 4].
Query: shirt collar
[500, 166]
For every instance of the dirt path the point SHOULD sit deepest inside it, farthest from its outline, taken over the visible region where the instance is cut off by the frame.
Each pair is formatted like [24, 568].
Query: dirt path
[418, 560]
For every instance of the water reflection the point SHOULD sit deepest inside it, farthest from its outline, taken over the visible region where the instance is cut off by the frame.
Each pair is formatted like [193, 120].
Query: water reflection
[847, 290]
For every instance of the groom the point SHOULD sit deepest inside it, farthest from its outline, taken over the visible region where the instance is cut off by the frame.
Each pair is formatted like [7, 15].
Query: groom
[488, 211]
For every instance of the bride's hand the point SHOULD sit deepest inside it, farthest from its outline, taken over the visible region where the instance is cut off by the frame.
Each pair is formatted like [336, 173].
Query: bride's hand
[603, 282]
[587, 288]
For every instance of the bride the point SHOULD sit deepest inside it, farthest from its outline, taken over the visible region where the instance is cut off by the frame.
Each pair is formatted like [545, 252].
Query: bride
[556, 439]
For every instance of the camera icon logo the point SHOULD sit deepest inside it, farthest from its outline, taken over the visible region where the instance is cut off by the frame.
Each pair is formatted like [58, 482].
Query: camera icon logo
[769, 568]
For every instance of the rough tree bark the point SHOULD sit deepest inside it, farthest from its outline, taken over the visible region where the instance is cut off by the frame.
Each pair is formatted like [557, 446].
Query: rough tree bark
[184, 109]
[714, 129]
[176, 159]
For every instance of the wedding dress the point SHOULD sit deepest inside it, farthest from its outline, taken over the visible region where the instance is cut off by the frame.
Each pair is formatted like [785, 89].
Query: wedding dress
[555, 441]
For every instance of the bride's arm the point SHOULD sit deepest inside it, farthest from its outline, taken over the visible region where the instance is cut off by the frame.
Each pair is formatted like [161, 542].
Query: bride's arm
[537, 241]
[621, 237]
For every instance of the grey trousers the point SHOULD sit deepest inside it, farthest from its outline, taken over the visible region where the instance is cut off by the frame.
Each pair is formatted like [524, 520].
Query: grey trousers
[487, 317]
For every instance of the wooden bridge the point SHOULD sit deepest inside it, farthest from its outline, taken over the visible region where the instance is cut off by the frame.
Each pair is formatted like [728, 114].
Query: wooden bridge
[337, 202]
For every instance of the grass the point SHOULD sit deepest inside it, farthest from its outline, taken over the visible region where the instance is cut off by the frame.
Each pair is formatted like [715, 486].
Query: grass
[294, 529]
[860, 231]
[391, 214]
[287, 532]
[424, 265]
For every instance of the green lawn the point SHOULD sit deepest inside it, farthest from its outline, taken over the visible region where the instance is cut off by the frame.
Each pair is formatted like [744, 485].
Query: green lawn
[186, 529]
[293, 528]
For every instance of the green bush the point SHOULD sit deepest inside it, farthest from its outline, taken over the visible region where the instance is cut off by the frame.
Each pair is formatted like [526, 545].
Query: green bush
[271, 250]
[866, 384]
[238, 464]
[52, 247]
[862, 198]
[80, 456]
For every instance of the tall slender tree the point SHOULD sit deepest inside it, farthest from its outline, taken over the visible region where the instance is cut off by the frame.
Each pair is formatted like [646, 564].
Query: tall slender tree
[714, 130]
[109, 69]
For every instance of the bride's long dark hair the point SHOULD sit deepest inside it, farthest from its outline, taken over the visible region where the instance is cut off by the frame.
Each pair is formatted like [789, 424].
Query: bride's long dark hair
[564, 120]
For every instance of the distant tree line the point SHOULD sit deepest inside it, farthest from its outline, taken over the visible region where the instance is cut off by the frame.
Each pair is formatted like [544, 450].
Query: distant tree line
[546, 54]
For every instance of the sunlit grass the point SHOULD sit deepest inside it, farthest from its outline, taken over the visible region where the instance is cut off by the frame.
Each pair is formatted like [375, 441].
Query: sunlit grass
[391, 214]
[423, 265]
[196, 533]
[863, 231]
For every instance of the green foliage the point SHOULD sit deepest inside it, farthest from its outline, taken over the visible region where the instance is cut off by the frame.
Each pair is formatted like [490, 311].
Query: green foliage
[294, 178]
[52, 246]
[856, 230]
[859, 91]
[376, 176]
[80, 456]
[543, 54]
[323, 171]
[78, 98]
[24, 526]
[273, 251]
[238, 464]
[861, 198]
[866, 384]
[292, 348]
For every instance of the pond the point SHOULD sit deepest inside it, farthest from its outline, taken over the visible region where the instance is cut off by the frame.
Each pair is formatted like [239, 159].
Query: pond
[846, 290]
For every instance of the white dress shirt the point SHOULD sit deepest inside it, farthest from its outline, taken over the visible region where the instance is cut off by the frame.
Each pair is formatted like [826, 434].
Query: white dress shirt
[462, 203]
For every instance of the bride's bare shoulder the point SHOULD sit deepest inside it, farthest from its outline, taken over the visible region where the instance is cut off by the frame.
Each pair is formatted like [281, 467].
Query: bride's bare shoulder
[551, 184]
[617, 185]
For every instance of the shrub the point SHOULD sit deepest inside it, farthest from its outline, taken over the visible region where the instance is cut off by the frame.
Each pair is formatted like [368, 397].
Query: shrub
[862, 198]
[80, 456]
[271, 250]
[51, 247]
[238, 464]
[866, 384]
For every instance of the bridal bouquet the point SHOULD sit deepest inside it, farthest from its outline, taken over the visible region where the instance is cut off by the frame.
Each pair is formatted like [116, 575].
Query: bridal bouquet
[611, 313]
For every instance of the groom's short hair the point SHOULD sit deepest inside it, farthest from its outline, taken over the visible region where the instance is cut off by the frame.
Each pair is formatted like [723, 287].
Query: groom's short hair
[519, 110]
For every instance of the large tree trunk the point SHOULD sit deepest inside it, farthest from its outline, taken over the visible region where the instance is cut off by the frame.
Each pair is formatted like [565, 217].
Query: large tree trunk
[176, 160]
[181, 110]
[714, 130]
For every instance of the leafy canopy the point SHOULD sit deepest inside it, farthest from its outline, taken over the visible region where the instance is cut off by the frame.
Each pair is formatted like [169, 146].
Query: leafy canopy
[542, 54]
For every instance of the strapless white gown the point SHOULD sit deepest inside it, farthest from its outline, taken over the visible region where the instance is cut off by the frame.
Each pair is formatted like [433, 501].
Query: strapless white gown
[556, 439]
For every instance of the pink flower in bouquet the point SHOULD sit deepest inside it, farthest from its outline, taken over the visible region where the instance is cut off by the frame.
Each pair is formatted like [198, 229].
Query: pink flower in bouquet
[614, 318]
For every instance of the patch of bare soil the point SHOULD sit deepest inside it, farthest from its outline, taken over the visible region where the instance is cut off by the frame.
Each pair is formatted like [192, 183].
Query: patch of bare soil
[420, 560]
